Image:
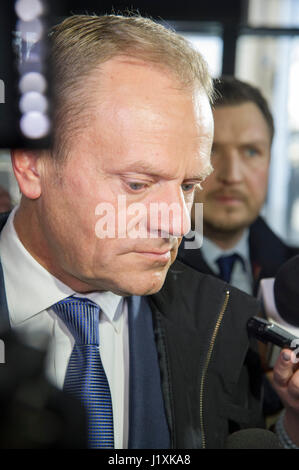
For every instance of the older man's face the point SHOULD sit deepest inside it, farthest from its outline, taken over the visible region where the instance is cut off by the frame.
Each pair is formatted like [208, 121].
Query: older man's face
[148, 142]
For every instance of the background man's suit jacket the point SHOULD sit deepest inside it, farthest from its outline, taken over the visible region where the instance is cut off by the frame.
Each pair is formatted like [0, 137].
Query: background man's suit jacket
[267, 253]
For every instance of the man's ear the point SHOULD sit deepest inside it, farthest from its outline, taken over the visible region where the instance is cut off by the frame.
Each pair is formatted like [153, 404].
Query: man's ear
[26, 168]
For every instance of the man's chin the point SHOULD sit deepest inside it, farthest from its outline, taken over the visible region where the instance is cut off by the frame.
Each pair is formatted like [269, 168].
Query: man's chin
[139, 291]
[226, 226]
[145, 287]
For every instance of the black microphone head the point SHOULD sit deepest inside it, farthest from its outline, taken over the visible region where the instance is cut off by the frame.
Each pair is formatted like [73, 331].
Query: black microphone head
[253, 438]
[286, 291]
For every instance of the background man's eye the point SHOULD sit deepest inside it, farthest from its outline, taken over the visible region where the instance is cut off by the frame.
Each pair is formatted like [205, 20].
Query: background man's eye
[251, 152]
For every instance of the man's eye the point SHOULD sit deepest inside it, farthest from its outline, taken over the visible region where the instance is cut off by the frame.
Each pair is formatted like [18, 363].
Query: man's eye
[188, 187]
[136, 186]
[251, 152]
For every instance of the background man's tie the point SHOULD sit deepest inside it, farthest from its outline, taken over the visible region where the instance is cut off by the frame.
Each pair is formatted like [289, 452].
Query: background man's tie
[85, 377]
[226, 264]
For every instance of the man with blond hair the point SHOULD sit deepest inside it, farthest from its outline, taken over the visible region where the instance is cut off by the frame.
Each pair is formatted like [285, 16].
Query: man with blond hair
[157, 353]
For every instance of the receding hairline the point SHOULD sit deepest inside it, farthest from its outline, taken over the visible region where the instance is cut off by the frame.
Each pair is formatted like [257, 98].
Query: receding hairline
[100, 69]
[82, 43]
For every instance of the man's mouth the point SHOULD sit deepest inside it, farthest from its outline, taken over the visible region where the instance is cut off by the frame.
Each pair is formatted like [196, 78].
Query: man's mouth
[229, 199]
[156, 255]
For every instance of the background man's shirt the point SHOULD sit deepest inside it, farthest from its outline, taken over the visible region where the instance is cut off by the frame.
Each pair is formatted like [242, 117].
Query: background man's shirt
[241, 274]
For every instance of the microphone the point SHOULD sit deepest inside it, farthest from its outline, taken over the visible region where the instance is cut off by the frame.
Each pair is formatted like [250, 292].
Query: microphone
[280, 299]
[268, 332]
[253, 438]
[286, 292]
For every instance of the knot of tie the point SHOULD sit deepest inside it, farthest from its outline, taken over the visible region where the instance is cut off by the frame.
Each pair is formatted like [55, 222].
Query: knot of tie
[226, 264]
[81, 317]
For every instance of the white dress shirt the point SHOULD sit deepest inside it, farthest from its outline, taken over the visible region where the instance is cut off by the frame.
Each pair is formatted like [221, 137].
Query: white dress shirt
[31, 291]
[240, 277]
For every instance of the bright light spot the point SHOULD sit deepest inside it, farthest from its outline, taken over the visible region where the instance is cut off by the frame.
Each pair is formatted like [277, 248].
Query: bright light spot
[35, 125]
[30, 31]
[33, 101]
[33, 81]
[28, 10]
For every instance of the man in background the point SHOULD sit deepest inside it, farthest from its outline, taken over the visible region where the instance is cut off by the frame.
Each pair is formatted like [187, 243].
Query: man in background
[238, 246]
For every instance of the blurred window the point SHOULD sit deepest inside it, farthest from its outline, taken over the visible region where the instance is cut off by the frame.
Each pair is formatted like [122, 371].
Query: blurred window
[273, 13]
[210, 48]
[271, 62]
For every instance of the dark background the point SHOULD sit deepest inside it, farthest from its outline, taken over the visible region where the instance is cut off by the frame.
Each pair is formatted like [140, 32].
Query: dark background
[227, 15]
[185, 10]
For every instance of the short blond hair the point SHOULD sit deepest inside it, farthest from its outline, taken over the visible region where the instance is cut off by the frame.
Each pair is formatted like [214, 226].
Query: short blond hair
[81, 43]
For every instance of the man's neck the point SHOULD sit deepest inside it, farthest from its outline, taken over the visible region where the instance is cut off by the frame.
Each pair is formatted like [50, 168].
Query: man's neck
[223, 239]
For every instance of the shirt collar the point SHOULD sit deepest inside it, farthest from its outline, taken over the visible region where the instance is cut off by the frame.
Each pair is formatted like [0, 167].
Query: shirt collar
[211, 251]
[31, 289]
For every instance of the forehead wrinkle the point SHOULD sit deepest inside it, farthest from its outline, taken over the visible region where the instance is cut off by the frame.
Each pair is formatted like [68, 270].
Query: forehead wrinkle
[144, 167]
[148, 169]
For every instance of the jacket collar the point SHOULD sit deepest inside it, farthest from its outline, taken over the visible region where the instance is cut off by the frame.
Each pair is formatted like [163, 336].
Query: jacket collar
[263, 245]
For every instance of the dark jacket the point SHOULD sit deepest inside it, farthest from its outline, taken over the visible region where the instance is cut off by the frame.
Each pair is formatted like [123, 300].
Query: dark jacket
[210, 378]
[267, 253]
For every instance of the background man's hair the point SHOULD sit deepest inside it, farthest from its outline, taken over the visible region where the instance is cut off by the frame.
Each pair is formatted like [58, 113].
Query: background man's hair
[81, 43]
[229, 91]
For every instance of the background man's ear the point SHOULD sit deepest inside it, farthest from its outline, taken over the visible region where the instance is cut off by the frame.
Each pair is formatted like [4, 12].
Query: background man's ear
[26, 167]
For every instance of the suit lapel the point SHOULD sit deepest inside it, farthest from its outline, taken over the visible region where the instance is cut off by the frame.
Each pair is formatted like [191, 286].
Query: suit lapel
[267, 252]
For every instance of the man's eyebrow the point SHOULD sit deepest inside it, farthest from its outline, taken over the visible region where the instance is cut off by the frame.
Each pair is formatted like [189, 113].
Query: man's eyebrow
[148, 169]
[257, 142]
[246, 141]
[140, 167]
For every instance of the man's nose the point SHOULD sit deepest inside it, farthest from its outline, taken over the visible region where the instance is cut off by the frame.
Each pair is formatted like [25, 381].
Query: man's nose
[170, 214]
[230, 169]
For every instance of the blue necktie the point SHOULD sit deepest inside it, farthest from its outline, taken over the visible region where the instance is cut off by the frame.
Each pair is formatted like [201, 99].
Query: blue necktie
[226, 264]
[85, 376]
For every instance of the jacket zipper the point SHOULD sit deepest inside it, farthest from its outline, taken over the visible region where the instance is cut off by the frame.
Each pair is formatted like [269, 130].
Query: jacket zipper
[206, 365]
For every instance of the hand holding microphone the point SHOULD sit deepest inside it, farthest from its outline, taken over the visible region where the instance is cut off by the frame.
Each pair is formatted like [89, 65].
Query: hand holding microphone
[280, 297]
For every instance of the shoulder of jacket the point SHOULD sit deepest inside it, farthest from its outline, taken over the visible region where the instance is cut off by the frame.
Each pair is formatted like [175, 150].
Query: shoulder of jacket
[186, 287]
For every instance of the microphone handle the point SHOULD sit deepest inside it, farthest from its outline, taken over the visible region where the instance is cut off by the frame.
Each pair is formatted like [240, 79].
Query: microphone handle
[267, 332]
